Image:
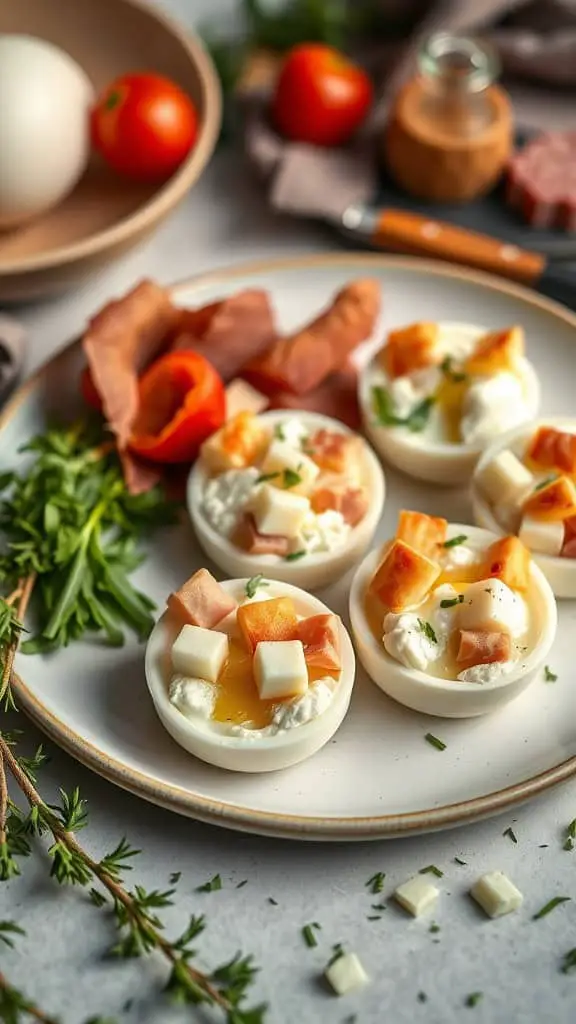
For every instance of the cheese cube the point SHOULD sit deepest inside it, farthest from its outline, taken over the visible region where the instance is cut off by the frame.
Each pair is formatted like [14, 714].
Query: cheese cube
[282, 457]
[345, 974]
[540, 535]
[199, 653]
[280, 669]
[491, 605]
[279, 513]
[496, 894]
[505, 479]
[417, 895]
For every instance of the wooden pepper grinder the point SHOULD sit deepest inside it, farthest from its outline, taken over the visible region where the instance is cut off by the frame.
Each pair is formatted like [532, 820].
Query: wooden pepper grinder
[449, 132]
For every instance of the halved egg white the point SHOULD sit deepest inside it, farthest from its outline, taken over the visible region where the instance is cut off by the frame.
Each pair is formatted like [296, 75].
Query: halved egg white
[441, 697]
[313, 571]
[421, 455]
[255, 753]
[560, 572]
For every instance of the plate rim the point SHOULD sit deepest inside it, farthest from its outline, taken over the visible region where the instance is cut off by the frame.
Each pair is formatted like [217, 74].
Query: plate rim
[219, 812]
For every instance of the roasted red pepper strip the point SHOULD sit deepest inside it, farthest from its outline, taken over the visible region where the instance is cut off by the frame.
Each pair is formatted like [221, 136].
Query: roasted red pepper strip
[182, 401]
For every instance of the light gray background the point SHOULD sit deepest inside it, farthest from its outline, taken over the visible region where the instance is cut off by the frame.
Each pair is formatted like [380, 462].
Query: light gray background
[514, 961]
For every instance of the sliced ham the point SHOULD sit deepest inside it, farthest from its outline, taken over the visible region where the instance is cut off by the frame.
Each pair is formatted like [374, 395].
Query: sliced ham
[229, 333]
[300, 362]
[246, 536]
[201, 601]
[336, 397]
[480, 647]
[351, 502]
[120, 342]
[320, 637]
[138, 475]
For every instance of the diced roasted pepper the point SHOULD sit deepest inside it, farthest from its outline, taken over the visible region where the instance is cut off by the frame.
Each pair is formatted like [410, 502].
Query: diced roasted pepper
[555, 502]
[404, 577]
[553, 449]
[267, 620]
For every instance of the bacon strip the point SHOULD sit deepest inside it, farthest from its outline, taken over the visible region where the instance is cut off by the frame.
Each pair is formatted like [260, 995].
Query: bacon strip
[246, 536]
[336, 397]
[201, 601]
[301, 361]
[480, 647]
[229, 333]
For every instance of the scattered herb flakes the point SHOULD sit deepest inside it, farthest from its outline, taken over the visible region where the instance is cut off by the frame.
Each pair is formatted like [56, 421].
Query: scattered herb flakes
[279, 433]
[294, 556]
[431, 869]
[473, 999]
[242, 883]
[290, 478]
[457, 376]
[374, 917]
[449, 602]
[458, 860]
[551, 905]
[549, 675]
[544, 483]
[461, 538]
[265, 477]
[434, 928]
[422, 997]
[272, 901]
[337, 952]
[212, 886]
[426, 627]
[386, 417]
[510, 833]
[570, 840]
[419, 416]
[308, 934]
[175, 877]
[434, 741]
[569, 962]
[253, 584]
[544, 846]
[378, 906]
[376, 883]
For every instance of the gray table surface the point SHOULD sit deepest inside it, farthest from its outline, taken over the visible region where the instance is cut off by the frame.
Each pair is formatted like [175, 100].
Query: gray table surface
[514, 961]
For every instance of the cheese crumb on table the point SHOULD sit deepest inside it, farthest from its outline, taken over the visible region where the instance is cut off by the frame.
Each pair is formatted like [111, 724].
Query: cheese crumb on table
[417, 896]
[346, 974]
[496, 894]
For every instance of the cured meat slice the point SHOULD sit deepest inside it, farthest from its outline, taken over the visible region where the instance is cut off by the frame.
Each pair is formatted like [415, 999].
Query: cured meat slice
[321, 641]
[541, 181]
[247, 537]
[404, 577]
[351, 502]
[553, 449]
[424, 533]
[410, 348]
[230, 332]
[337, 397]
[481, 647]
[508, 559]
[120, 342]
[267, 620]
[201, 601]
[555, 501]
[300, 362]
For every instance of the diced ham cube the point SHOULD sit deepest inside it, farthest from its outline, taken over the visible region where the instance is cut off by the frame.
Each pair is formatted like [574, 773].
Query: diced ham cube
[424, 533]
[555, 502]
[351, 502]
[201, 601]
[320, 637]
[410, 348]
[404, 577]
[508, 559]
[333, 451]
[247, 537]
[553, 449]
[481, 647]
[267, 621]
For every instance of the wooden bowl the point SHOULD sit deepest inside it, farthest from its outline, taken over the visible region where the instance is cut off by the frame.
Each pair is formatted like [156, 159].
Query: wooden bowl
[106, 214]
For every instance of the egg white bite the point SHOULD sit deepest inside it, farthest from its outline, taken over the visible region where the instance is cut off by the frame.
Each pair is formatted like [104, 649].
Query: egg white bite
[226, 722]
[510, 491]
[426, 637]
[289, 494]
[446, 415]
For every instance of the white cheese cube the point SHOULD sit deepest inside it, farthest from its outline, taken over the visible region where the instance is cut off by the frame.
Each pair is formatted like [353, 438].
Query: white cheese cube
[496, 894]
[539, 535]
[282, 457]
[417, 895]
[279, 513]
[505, 479]
[491, 604]
[346, 974]
[280, 669]
[199, 653]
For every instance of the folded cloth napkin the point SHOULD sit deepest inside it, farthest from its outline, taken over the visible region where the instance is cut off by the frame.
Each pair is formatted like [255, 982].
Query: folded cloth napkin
[12, 351]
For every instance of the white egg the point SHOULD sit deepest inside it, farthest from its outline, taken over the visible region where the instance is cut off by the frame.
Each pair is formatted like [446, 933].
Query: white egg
[44, 126]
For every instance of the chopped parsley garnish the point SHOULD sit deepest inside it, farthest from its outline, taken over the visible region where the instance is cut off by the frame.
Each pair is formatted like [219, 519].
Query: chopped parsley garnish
[422, 997]
[434, 741]
[265, 477]
[337, 952]
[549, 675]
[434, 928]
[431, 869]
[242, 883]
[175, 877]
[510, 833]
[294, 556]
[569, 962]
[426, 628]
[461, 538]
[458, 860]
[551, 905]
[378, 906]
[544, 483]
[569, 842]
[473, 999]
[376, 883]
[253, 584]
[457, 376]
[272, 901]
[290, 478]
[279, 432]
[416, 419]
[212, 886]
[374, 917]
[449, 602]
[308, 934]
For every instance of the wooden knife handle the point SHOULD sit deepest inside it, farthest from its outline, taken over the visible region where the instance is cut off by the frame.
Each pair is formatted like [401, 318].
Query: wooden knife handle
[403, 231]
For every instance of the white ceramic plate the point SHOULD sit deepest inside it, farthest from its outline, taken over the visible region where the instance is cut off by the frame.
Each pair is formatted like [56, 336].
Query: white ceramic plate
[378, 777]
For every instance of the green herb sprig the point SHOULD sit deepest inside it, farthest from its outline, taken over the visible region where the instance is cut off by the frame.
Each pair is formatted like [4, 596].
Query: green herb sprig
[416, 419]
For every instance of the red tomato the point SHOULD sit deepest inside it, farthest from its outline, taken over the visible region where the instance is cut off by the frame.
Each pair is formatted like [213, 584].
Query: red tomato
[144, 126]
[182, 402]
[321, 97]
[89, 391]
